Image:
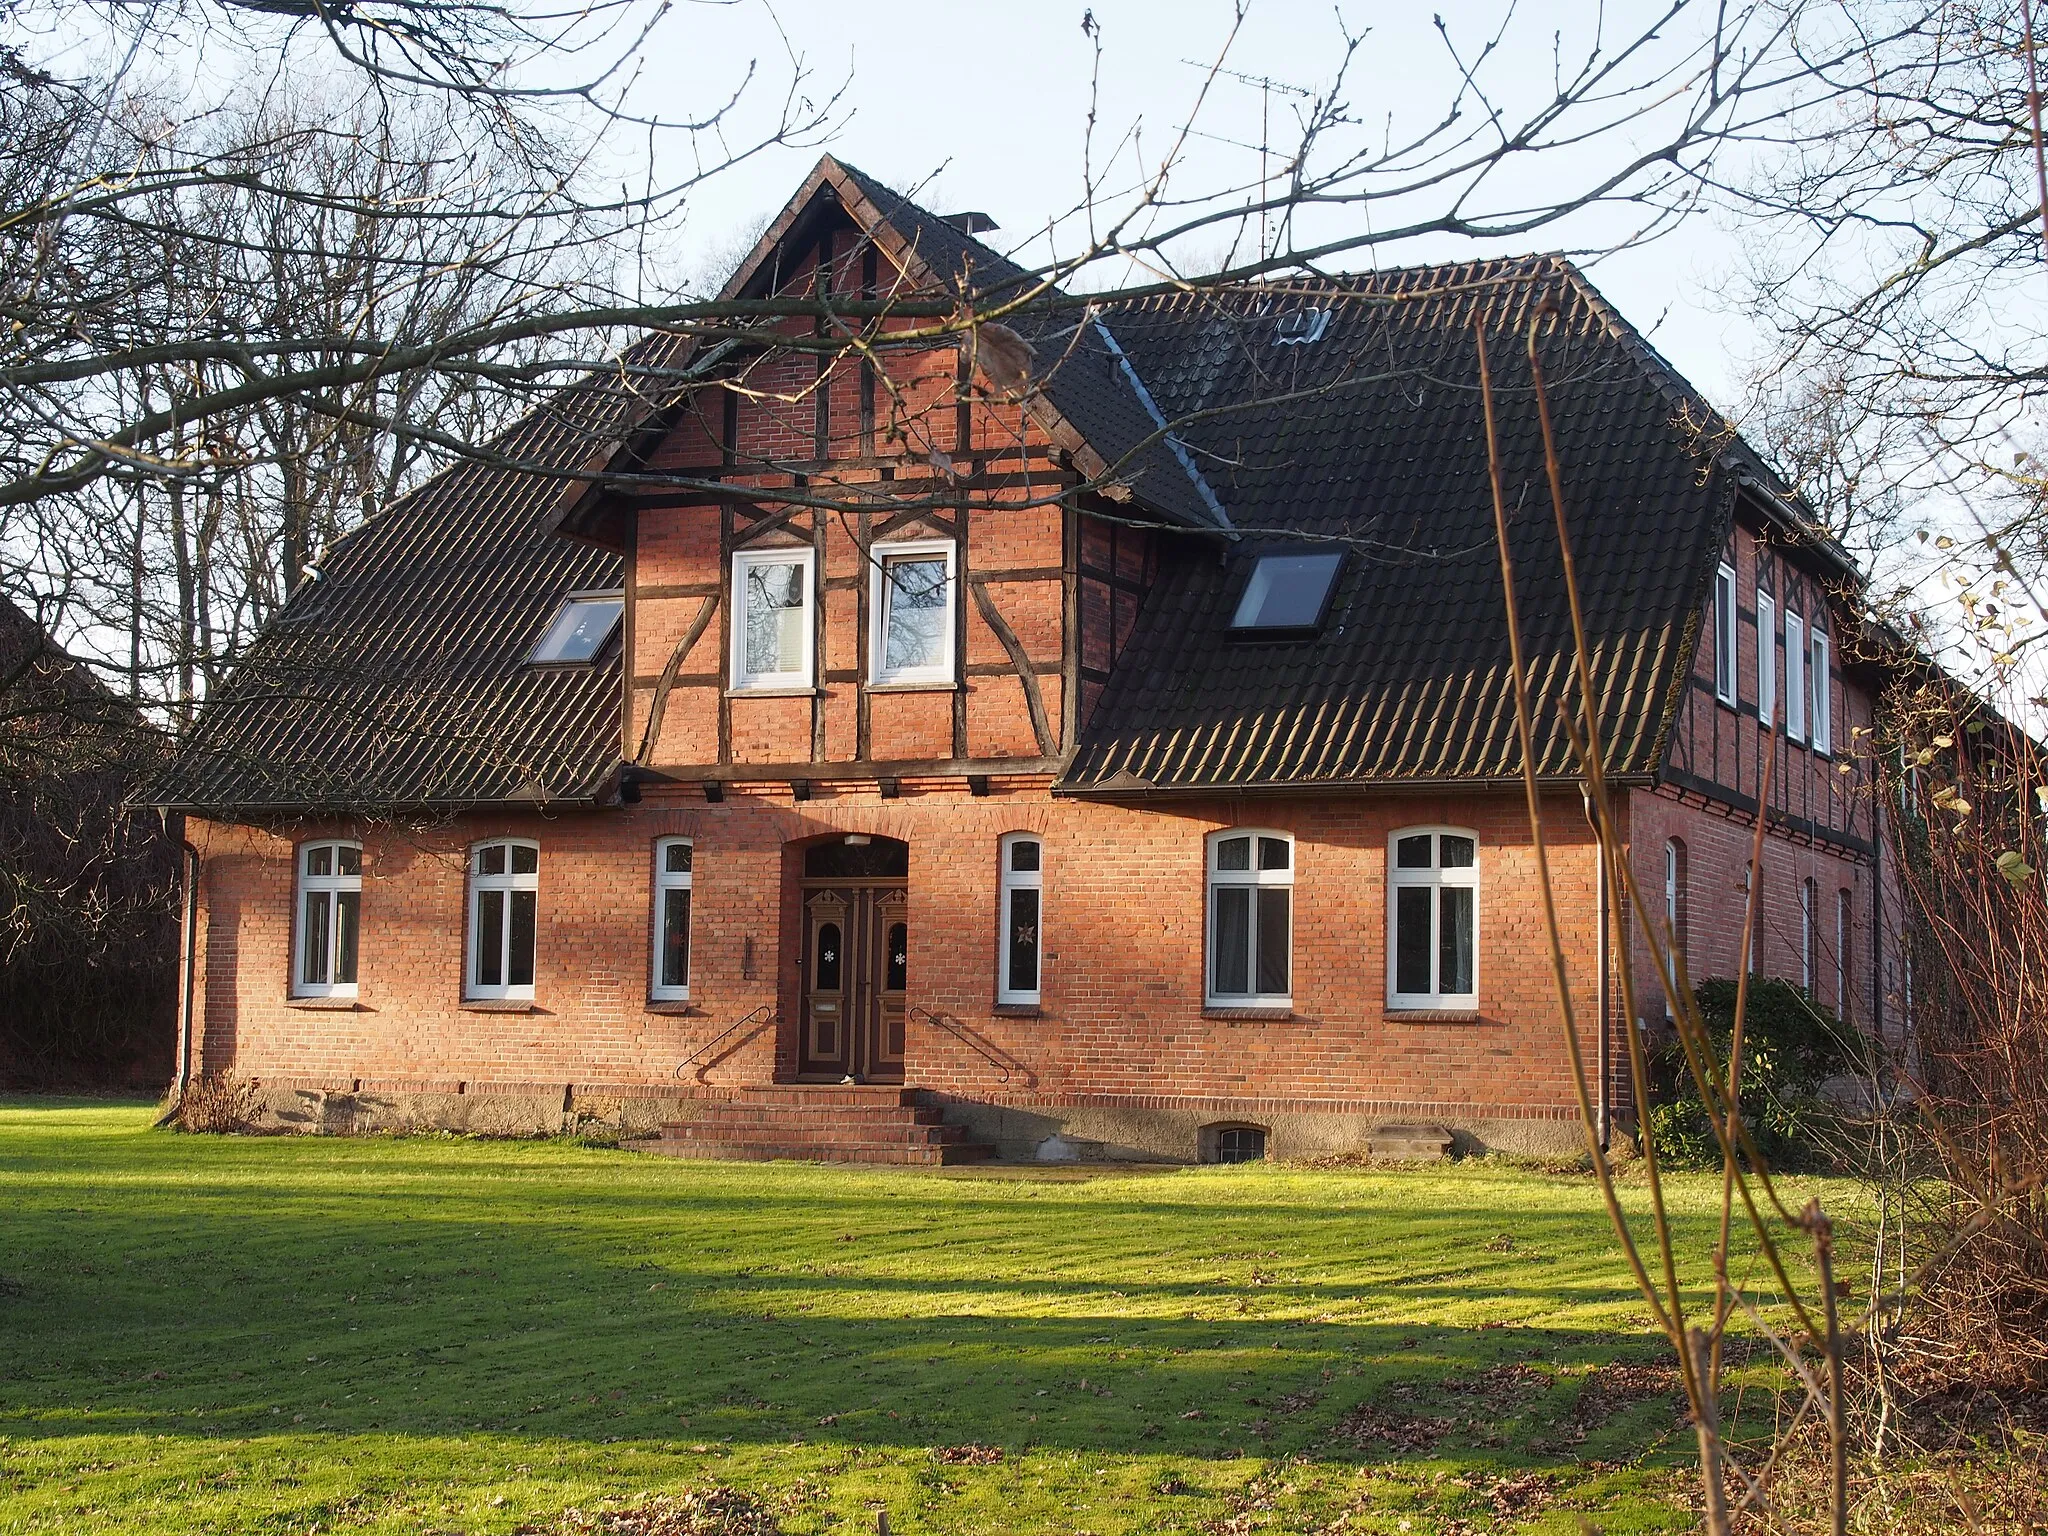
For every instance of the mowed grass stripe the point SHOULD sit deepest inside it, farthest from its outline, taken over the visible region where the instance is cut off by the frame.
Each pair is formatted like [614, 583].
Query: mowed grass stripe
[429, 1333]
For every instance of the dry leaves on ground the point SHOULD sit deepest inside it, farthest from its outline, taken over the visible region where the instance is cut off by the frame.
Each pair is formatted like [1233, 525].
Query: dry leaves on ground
[1610, 1388]
[1479, 1403]
[969, 1455]
[698, 1512]
[1523, 1495]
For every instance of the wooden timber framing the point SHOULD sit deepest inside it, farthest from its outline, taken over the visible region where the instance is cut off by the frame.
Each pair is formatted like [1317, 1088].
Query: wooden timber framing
[844, 772]
[729, 452]
[1714, 752]
[963, 450]
[1020, 663]
[657, 705]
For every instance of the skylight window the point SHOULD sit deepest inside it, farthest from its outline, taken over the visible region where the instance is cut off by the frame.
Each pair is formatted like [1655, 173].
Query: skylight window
[1301, 327]
[581, 627]
[1288, 592]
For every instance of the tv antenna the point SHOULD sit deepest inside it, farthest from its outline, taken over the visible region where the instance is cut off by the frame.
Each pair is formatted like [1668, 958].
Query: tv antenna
[1265, 85]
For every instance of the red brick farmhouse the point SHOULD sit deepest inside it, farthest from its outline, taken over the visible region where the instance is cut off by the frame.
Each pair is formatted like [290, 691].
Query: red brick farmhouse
[904, 754]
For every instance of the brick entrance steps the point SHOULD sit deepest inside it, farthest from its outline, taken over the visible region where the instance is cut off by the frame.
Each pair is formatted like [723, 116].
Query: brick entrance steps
[827, 1123]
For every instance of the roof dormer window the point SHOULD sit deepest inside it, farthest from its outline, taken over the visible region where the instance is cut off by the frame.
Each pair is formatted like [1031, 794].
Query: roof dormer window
[582, 627]
[1289, 593]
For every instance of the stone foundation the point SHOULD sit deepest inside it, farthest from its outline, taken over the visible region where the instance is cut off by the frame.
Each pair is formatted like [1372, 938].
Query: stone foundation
[1022, 1130]
[1142, 1131]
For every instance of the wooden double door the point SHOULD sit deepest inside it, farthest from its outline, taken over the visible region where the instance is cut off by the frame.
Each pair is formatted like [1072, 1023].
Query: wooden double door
[856, 967]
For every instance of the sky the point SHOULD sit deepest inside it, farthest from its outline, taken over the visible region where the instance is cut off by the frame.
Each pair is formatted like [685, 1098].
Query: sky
[983, 105]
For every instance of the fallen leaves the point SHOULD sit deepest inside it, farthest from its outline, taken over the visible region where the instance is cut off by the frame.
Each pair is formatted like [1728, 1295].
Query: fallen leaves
[1476, 1403]
[712, 1511]
[1620, 1384]
[970, 1455]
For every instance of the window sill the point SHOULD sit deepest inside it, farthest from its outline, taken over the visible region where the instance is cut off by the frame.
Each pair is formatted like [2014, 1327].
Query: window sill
[1018, 1011]
[672, 1005]
[807, 691]
[328, 1004]
[1217, 1011]
[912, 686]
[1431, 1015]
[498, 1005]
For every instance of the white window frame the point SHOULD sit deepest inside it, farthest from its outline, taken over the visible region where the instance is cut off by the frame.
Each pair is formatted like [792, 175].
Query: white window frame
[1434, 878]
[1766, 659]
[804, 677]
[508, 882]
[1008, 883]
[1755, 918]
[1725, 652]
[1808, 895]
[666, 880]
[1675, 908]
[331, 887]
[1795, 676]
[1256, 879]
[1819, 693]
[941, 672]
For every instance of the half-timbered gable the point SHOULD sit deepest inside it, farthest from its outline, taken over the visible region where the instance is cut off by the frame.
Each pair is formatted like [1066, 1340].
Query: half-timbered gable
[911, 453]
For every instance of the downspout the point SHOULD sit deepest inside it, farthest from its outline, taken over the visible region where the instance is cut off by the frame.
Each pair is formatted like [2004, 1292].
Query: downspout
[1877, 836]
[188, 934]
[1605, 1111]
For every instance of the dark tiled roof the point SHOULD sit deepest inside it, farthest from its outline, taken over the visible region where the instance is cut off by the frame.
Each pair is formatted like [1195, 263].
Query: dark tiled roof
[1372, 435]
[1084, 376]
[399, 678]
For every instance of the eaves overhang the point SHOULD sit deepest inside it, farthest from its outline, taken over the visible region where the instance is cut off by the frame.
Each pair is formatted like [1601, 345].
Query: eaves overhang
[1139, 793]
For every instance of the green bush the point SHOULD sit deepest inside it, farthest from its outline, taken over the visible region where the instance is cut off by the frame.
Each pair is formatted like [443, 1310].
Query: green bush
[1790, 1046]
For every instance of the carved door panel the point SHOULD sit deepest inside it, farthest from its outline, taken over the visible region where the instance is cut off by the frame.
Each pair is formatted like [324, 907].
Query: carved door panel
[892, 979]
[854, 980]
[828, 988]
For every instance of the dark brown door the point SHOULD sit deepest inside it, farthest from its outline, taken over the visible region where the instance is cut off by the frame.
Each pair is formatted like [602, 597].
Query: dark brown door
[856, 966]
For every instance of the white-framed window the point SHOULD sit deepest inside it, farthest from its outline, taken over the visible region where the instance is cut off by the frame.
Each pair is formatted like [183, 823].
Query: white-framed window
[911, 593]
[1817, 684]
[773, 630]
[1795, 677]
[1675, 909]
[1755, 918]
[1724, 634]
[1251, 919]
[1766, 658]
[1433, 918]
[504, 903]
[673, 857]
[1807, 918]
[1020, 918]
[330, 910]
[1843, 915]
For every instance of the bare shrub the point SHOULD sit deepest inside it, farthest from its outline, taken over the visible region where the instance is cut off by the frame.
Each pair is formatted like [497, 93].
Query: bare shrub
[1970, 846]
[218, 1105]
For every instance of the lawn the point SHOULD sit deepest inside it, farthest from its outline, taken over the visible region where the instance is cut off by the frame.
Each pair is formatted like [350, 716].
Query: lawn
[431, 1334]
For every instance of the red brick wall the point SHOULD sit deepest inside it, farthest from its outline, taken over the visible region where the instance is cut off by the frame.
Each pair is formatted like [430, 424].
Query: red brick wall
[1719, 749]
[1825, 822]
[1717, 846]
[1123, 938]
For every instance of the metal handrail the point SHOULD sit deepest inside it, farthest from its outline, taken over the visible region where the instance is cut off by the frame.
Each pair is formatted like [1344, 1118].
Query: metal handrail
[736, 1025]
[958, 1031]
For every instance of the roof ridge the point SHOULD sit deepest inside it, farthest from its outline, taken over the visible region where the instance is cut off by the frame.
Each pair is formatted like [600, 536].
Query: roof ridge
[871, 185]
